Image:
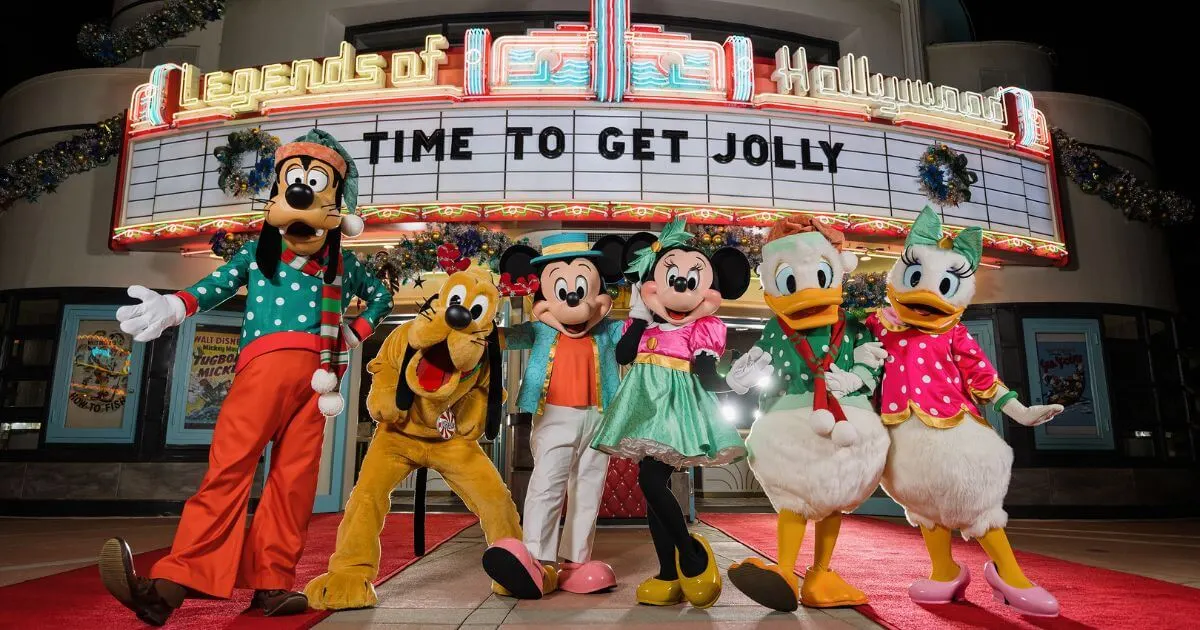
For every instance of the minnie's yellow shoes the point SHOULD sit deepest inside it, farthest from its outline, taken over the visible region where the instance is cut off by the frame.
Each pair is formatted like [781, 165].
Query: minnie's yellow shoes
[656, 592]
[701, 590]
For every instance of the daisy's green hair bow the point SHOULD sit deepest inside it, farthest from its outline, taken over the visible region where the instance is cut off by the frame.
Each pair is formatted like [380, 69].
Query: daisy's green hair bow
[927, 230]
[672, 235]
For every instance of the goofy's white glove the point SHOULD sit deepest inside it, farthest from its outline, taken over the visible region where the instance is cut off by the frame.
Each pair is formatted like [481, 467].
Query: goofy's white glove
[749, 370]
[156, 313]
[870, 354]
[840, 383]
[637, 308]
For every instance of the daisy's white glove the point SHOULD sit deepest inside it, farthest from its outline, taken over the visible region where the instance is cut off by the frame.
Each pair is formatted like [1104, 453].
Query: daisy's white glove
[156, 313]
[870, 354]
[637, 308]
[749, 370]
[840, 382]
[1030, 416]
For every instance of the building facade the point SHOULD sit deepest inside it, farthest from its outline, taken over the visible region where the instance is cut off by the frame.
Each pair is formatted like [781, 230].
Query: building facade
[610, 116]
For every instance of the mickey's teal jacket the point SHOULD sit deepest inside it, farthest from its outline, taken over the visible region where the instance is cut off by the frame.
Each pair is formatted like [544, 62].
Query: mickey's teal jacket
[541, 339]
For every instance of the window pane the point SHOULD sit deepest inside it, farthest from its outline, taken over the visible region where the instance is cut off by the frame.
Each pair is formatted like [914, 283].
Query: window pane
[31, 353]
[456, 31]
[408, 37]
[214, 355]
[1121, 327]
[24, 394]
[1129, 362]
[99, 376]
[36, 312]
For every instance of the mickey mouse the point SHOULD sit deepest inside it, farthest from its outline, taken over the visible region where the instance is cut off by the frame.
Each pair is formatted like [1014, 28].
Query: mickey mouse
[665, 415]
[570, 378]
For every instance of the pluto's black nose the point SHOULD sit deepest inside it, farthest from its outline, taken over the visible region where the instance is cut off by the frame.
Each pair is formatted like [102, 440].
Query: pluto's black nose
[458, 317]
[299, 196]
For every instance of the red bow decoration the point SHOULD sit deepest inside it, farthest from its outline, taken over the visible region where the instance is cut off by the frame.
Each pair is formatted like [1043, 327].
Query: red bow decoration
[519, 287]
[450, 259]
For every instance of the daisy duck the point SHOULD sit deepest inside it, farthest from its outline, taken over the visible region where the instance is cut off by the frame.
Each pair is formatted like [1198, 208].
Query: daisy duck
[947, 466]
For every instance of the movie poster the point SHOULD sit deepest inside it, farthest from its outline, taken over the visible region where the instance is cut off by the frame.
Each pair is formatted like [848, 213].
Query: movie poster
[99, 376]
[214, 356]
[1063, 372]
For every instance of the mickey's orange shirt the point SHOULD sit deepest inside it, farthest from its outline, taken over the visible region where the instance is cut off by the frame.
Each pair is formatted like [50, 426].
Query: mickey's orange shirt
[572, 373]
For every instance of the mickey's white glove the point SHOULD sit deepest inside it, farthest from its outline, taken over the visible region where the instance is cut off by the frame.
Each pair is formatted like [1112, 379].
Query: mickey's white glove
[840, 382]
[637, 308]
[749, 370]
[156, 313]
[870, 354]
[1030, 416]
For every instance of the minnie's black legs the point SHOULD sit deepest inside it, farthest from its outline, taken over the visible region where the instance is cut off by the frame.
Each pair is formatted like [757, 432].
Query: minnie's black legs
[667, 524]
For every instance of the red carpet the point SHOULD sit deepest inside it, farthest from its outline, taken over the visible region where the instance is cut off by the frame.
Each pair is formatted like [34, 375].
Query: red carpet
[76, 599]
[882, 559]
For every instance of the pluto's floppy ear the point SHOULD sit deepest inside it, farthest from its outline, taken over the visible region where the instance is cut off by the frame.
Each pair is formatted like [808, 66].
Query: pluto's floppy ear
[404, 393]
[495, 397]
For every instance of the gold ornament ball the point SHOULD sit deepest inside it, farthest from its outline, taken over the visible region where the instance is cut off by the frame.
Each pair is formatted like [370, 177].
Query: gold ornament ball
[707, 238]
[436, 235]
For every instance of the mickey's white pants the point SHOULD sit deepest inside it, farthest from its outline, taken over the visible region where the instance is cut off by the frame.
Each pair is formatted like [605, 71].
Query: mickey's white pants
[564, 465]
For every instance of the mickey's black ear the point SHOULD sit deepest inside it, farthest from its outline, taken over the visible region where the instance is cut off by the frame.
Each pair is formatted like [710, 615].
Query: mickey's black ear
[515, 261]
[732, 271]
[633, 245]
[611, 263]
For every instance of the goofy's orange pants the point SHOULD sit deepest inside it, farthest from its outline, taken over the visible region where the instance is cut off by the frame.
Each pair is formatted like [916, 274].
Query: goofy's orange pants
[271, 400]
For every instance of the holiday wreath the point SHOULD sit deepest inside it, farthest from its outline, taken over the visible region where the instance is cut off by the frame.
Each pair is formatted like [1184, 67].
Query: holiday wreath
[230, 175]
[944, 177]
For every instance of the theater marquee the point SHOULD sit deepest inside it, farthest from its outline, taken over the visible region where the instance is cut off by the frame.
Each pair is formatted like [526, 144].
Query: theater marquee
[548, 126]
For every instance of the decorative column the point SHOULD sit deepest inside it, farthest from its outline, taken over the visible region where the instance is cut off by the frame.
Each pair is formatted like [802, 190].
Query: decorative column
[912, 41]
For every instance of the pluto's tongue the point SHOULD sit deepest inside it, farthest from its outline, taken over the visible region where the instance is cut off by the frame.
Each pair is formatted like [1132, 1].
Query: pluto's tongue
[430, 377]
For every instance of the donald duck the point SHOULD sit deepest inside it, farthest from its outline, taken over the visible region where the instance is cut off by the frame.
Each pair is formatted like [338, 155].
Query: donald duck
[947, 467]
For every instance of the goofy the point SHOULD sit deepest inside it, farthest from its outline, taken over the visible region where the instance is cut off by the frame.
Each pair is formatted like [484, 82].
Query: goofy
[294, 349]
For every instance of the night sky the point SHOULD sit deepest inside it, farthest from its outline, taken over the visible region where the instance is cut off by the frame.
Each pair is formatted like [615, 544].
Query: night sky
[1131, 55]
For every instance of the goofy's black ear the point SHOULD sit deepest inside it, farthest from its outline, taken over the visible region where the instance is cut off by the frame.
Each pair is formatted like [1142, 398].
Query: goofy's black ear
[635, 244]
[612, 259]
[404, 393]
[270, 248]
[515, 261]
[495, 397]
[731, 272]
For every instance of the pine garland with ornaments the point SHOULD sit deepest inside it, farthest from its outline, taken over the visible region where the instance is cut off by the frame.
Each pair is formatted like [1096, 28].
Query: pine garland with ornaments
[175, 19]
[710, 238]
[231, 177]
[1120, 188]
[864, 292]
[31, 176]
[944, 177]
[418, 253]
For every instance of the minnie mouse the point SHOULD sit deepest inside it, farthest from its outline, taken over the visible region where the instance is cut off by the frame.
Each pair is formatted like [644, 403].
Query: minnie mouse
[570, 378]
[663, 415]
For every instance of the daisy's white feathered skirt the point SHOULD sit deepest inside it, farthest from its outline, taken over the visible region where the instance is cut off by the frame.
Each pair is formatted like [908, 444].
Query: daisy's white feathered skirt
[955, 477]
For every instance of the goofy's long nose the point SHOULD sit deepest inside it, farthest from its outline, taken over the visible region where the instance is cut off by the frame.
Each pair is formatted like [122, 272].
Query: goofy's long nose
[680, 284]
[299, 196]
[458, 317]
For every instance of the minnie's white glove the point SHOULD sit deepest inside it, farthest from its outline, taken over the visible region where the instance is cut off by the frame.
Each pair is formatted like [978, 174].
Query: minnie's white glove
[1030, 416]
[156, 313]
[840, 382]
[749, 370]
[870, 354]
[637, 308]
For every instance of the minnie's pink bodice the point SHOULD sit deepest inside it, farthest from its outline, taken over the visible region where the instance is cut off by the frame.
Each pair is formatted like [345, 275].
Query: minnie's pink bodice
[706, 334]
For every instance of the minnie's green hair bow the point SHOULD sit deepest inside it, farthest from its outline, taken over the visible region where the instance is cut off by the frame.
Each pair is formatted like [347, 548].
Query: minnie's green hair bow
[672, 235]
